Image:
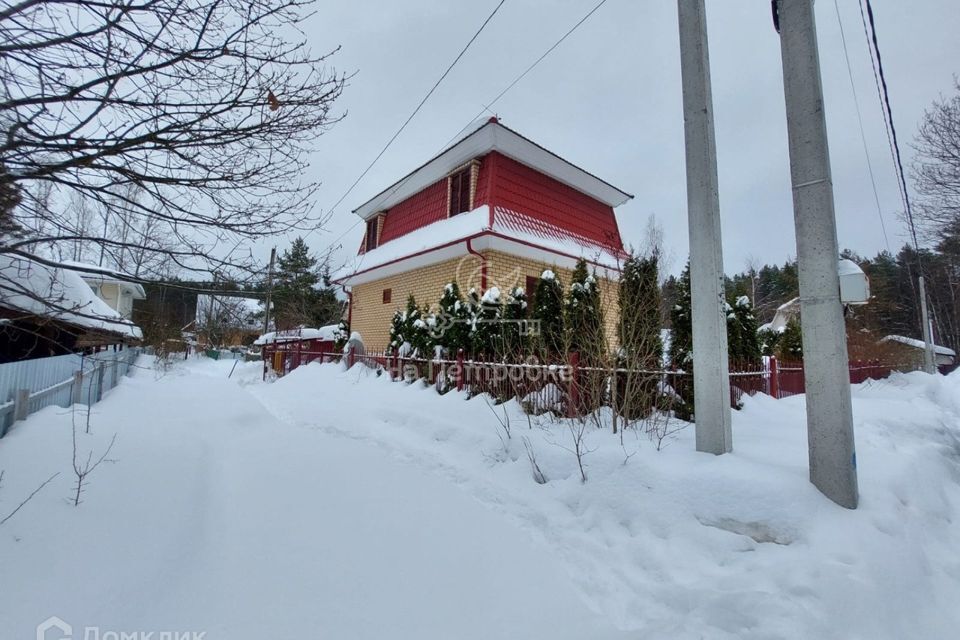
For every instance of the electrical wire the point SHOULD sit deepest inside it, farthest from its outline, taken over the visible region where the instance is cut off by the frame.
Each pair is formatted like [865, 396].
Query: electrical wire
[863, 137]
[882, 89]
[489, 105]
[486, 107]
[410, 117]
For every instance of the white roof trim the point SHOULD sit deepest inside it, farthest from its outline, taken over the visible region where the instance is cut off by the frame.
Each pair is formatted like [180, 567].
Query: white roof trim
[493, 136]
[485, 242]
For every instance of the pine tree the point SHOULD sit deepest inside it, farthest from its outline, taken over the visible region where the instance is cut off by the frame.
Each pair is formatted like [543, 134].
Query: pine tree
[584, 315]
[548, 311]
[294, 293]
[790, 346]
[639, 332]
[681, 322]
[743, 343]
[681, 345]
[489, 311]
[410, 332]
[513, 341]
[398, 333]
[639, 327]
[453, 321]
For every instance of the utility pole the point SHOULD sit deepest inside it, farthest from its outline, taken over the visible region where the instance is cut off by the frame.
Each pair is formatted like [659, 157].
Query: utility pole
[833, 462]
[266, 311]
[707, 296]
[928, 359]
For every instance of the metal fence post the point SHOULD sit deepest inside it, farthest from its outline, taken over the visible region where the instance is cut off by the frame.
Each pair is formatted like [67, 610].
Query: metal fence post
[76, 390]
[774, 378]
[573, 409]
[459, 369]
[21, 404]
[99, 383]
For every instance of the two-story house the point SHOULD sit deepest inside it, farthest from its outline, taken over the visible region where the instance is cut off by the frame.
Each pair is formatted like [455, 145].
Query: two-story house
[493, 209]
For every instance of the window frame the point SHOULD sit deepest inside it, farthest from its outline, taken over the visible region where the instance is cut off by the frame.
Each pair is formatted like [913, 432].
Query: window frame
[459, 186]
[371, 239]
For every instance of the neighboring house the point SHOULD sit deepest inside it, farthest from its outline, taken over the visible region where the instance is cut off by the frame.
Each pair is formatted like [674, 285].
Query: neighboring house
[112, 288]
[48, 311]
[911, 350]
[494, 209]
[228, 320]
[786, 311]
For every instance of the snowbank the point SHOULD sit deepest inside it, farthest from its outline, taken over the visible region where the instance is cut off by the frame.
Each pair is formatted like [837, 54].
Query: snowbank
[339, 504]
[686, 545]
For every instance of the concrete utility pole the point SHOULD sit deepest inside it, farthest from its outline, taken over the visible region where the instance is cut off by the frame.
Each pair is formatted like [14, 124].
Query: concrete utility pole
[833, 462]
[266, 308]
[710, 365]
[929, 365]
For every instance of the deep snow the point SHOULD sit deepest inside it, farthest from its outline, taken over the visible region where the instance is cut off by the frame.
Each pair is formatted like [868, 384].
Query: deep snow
[337, 504]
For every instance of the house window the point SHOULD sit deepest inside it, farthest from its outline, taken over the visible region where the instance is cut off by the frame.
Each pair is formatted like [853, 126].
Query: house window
[372, 234]
[460, 192]
[387, 294]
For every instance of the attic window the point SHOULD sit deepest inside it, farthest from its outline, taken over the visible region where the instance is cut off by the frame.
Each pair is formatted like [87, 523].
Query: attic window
[460, 192]
[387, 295]
[371, 234]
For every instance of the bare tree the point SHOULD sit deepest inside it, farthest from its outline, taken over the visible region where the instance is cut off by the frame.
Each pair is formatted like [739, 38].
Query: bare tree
[83, 468]
[28, 498]
[936, 170]
[205, 110]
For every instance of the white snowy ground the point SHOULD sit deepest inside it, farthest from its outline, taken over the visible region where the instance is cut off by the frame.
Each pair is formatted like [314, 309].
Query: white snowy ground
[335, 504]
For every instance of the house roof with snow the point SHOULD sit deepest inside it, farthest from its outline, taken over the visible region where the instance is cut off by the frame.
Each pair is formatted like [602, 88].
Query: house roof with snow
[328, 333]
[95, 274]
[919, 344]
[523, 200]
[492, 135]
[41, 290]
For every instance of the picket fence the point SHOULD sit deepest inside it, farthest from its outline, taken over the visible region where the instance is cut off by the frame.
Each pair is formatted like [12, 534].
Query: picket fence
[30, 385]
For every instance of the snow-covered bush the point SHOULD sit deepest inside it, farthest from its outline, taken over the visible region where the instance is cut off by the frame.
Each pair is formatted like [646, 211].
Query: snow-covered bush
[548, 310]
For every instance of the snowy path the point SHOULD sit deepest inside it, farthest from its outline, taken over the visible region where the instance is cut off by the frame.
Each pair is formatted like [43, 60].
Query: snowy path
[218, 517]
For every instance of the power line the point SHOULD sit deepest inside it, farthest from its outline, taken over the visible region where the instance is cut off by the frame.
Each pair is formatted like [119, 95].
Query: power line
[508, 87]
[863, 137]
[925, 324]
[490, 104]
[411, 116]
[888, 113]
[536, 62]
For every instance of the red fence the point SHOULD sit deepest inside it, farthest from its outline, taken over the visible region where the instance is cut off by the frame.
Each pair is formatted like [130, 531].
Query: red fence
[787, 377]
[566, 387]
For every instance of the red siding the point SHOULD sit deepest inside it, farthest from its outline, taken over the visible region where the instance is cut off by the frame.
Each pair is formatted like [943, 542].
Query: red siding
[525, 190]
[482, 195]
[417, 211]
[504, 182]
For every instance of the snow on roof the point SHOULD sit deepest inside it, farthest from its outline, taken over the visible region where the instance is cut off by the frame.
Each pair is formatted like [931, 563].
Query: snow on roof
[493, 136]
[62, 294]
[328, 333]
[919, 344]
[95, 273]
[522, 232]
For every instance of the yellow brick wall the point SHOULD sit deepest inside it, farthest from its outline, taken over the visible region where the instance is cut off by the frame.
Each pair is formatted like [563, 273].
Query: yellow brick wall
[507, 271]
[371, 317]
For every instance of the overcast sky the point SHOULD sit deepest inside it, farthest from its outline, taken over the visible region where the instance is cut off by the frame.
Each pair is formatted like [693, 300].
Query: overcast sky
[609, 100]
